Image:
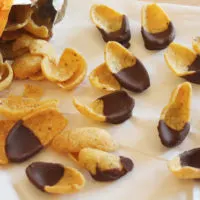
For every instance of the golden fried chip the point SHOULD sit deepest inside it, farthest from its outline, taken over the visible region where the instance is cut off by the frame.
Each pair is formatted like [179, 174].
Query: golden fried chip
[15, 107]
[154, 18]
[11, 35]
[26, 65]
[33, 91]
[5, 125]
[104, 166]
[75, 140]
[106, 18]
[38, 76]
[126, 67]
[18, 17]
[174, 121]
[184, 62]
[53, 123]
[103, 79]
[70, 62]
[186, 165]
[22, 42]
[66, 179]
[44, 49]
[39, 31]
[6, 75]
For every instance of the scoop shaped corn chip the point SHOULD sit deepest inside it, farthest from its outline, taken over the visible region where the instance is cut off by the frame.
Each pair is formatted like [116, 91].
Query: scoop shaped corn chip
[75, 140]
[38, 76]
[18, 17]
[15, 107]
[174, 123]
[4, 13]
[186, 165]
[6, 75]
[55, 178]
[127, 69]
[104, 166]
[46, 123]
[70, 63]
[113, 25]
[113, 108]
[26, 65]
[157, 29]
[183, 62]
[196, 45]
[7, 51]
[39, 31]
[102, 78]
[6, 126]
[32, 91]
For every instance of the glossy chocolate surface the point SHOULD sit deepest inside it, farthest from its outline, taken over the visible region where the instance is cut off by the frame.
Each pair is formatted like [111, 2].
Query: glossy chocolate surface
[134, 78]
[43, 174]
[170, 137]
[21, 143]
[195, 66]
[158, 41]
[118, 106]
[122, 36]
[114, 174]
[191, 158]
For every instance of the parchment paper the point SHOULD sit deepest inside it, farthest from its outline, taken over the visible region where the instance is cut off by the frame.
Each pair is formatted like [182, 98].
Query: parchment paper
[138, 137]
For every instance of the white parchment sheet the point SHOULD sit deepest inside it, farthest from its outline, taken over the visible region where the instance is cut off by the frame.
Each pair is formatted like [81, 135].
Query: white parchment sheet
[138, 136]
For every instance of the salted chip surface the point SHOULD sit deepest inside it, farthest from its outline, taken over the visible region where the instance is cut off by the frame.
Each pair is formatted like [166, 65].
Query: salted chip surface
[113, 25]
[184, 62]
[15, 107]
[71, 66]
[6, 75]
[196, 44]
[103, 79]
[6, 126]
[53, 123]
[113, 108]
[126, 68]
[26, 65]
[104, 166]
[18, 17]
[174, 123]
[157, 29]
[186, 165]
[33, 91]
[55, 178]
[72, 141]
[38, 76]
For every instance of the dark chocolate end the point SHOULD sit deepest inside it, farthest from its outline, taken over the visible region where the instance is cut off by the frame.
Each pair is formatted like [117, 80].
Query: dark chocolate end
[123, 35]
[190, 158]
[134, 78]
[195, 66]
[170, 137]
[158, 41]
[21, 143]
[43, 174]
[117, 107]
[114, 174]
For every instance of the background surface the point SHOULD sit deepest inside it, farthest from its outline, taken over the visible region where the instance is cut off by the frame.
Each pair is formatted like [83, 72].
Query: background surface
[138, 137]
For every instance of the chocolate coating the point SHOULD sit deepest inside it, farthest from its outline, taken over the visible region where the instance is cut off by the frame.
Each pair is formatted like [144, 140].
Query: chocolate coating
[134, 78]
[117, 107]
[43, 174]
[170, 137]
[191, 158]
[158, 41]
[114, 174]
[123, 35]
[21, 143]
[195, 66]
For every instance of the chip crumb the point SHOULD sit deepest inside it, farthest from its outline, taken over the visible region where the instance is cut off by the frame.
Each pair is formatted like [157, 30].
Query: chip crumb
[33, 91]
